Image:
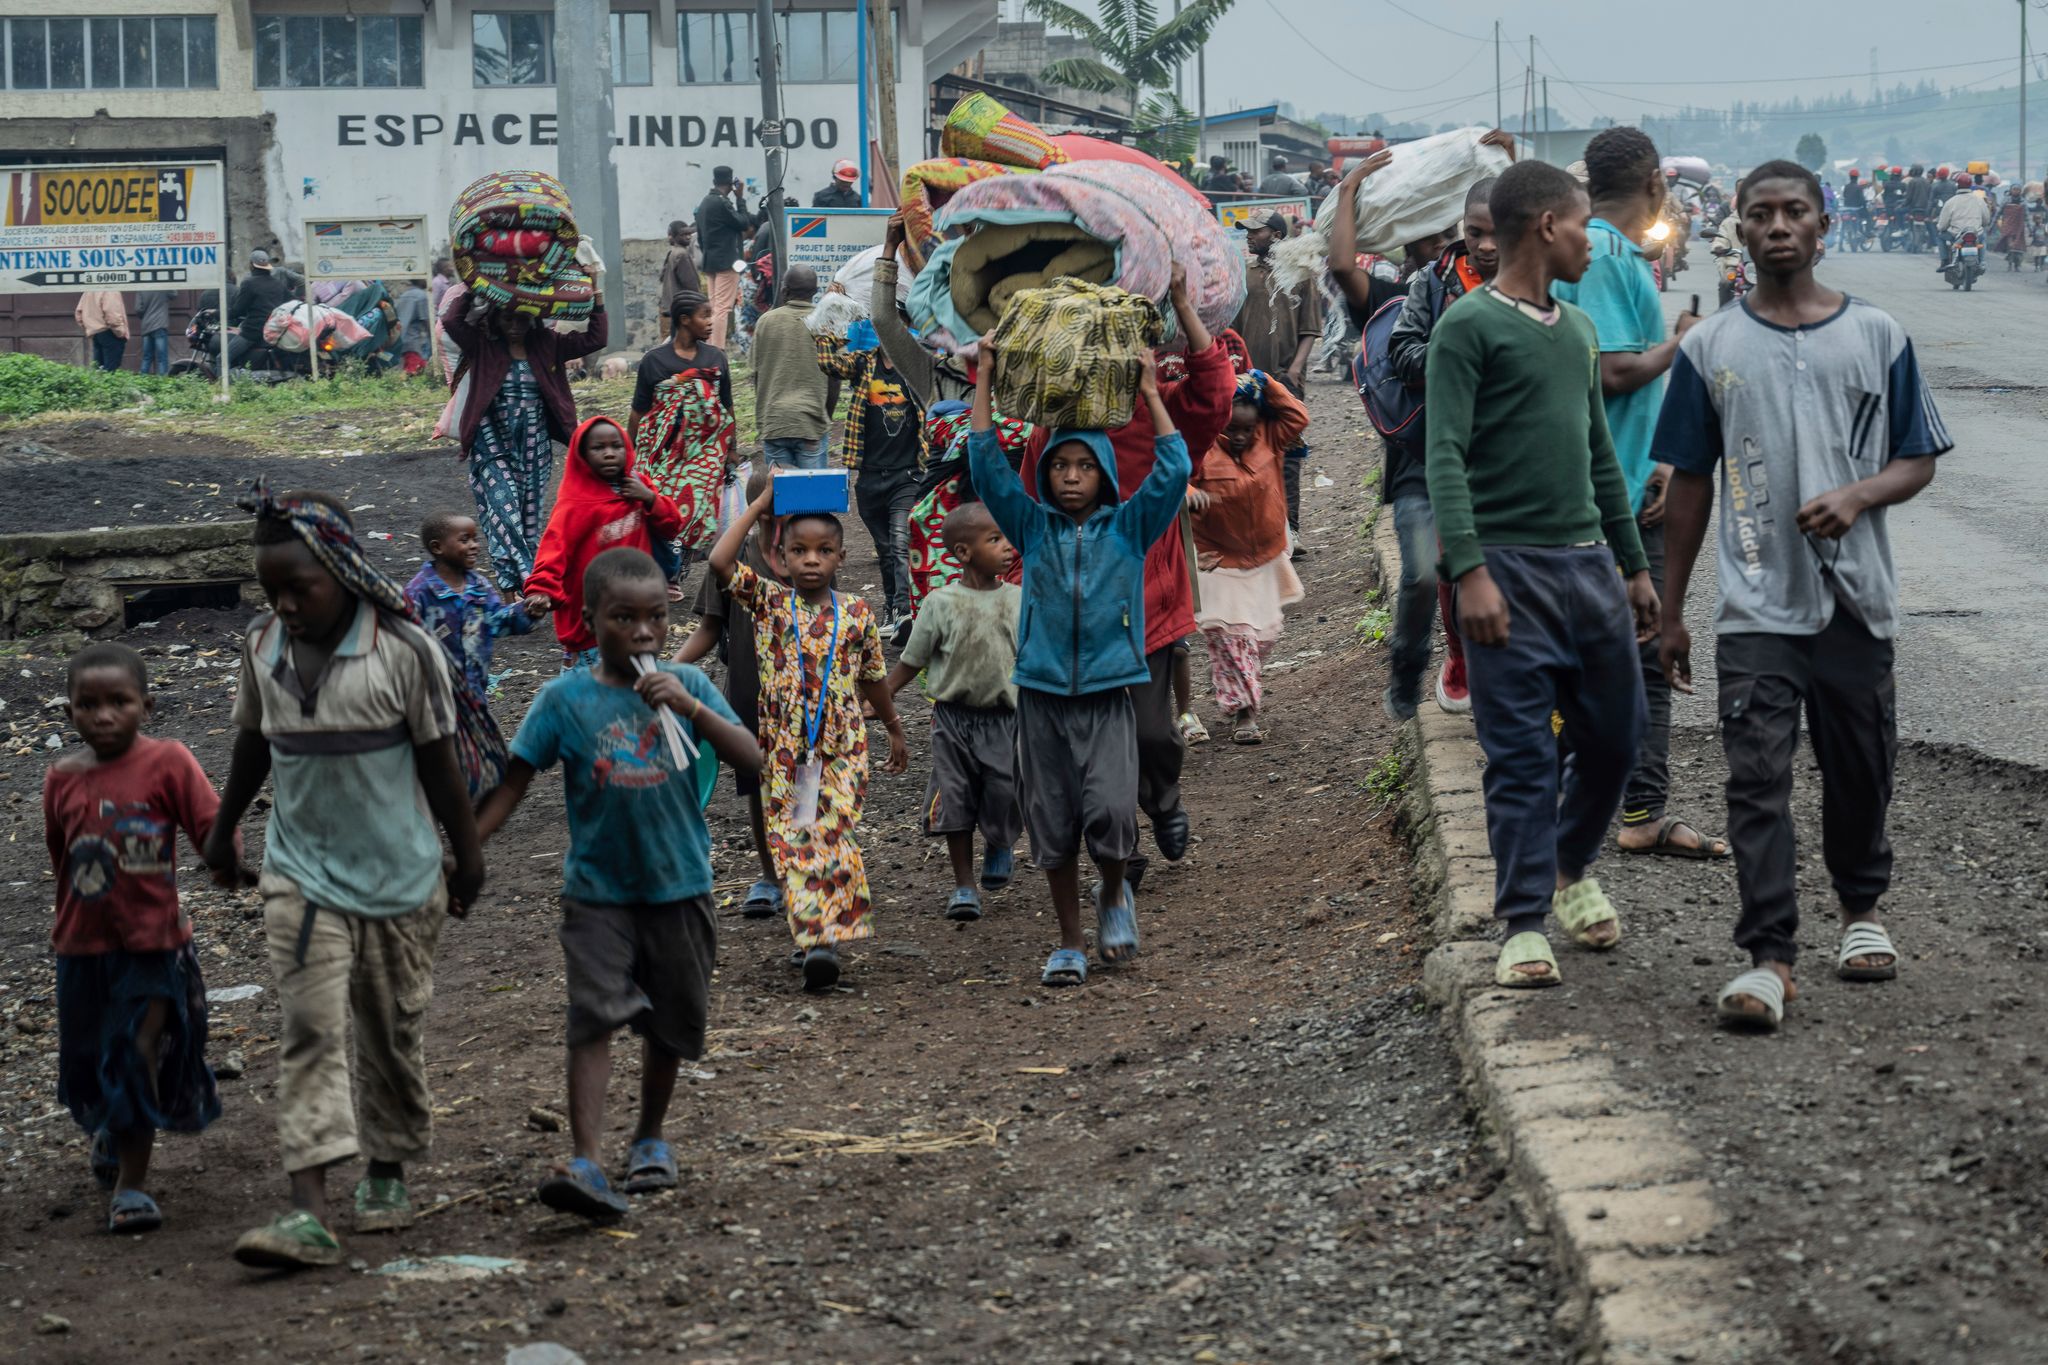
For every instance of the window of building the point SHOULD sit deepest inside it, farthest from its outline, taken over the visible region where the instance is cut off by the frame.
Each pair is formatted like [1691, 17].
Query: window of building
[518, 48]
[337, 51]
[174, 52]
[812, 46]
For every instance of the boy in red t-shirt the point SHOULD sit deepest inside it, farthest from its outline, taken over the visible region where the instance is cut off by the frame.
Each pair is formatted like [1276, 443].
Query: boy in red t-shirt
[131, 1007]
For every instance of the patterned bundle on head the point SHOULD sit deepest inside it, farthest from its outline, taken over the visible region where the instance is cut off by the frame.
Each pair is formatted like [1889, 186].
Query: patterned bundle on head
[331, 536]
[513, 239]
[1070, 355]
[981, 128]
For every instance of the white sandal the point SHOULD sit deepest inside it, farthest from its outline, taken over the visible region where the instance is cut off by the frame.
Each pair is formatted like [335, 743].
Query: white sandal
[1759, 983]
[1864, 939]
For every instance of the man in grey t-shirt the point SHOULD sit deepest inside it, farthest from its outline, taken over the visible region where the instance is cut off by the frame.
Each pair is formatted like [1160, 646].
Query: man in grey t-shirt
[1809, 408]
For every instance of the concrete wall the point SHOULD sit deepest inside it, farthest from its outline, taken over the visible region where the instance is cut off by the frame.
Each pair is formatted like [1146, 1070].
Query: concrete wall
[1020, 51]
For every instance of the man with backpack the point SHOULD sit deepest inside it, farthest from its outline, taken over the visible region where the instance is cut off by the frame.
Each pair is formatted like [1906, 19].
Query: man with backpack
[1395, 355]
[1280, 327]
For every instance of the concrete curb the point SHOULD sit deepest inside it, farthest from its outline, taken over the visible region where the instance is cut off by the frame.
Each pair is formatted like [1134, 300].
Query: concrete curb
[1607, 1175]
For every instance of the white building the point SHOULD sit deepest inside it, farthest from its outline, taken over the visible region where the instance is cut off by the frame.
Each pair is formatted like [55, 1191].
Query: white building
[370, 107]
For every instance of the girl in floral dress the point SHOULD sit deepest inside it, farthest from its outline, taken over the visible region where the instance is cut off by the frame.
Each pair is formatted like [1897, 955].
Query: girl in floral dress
[819, 654]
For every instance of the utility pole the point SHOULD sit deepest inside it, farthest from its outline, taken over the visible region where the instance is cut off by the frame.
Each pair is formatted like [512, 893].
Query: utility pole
[2023, 92]
[1202, 103]
[1497, 115]
[771, 132]
[586, 131]
[1546, 119]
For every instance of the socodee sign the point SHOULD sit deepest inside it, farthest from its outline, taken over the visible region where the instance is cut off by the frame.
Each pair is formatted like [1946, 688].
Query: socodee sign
[538, 130]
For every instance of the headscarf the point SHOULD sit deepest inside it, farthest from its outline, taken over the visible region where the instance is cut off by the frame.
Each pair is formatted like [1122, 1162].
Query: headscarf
[1251, 388]
[331, 536]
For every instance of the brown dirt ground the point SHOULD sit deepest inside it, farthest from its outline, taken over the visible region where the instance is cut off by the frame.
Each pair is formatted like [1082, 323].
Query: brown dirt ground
[1249, 1146]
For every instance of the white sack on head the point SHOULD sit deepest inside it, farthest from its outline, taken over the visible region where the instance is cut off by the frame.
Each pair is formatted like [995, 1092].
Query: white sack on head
[834, 313]
[857, 277]
[1421, 191]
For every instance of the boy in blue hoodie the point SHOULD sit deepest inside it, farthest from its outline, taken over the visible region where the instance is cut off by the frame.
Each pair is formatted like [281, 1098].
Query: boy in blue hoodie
[1080, 647]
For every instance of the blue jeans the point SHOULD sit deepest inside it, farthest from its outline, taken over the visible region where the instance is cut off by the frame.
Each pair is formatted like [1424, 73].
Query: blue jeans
[1415, 601]
[794, 452]
[156, 352]
[1571, 648]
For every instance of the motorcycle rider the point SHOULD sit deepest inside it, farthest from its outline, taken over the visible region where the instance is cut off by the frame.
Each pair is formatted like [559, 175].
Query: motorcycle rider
[1966, 212]
[1728, 253]
[1919, 206]
[1895, 191]
[1856, 204]
[1944, 188]
[259, 293]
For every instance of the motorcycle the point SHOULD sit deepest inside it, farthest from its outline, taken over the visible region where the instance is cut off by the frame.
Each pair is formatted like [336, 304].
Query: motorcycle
[261, 364]
[1856, 230]
[1965, 263]
[1738, 274]
[1893, 232]
[1919, 232]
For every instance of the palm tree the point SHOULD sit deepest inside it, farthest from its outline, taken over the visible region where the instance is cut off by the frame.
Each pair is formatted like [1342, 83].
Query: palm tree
[1135, 57]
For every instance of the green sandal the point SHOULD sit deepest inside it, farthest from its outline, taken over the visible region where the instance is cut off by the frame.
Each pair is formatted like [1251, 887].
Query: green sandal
[382, 1205]
[1518, 951]
[1583, 906]
[288, 1242]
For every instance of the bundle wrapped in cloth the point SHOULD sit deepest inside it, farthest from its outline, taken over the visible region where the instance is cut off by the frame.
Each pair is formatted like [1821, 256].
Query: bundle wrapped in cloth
[1101, 222]
[1421, 191]
[928, 185]
[981, 127]
[513, 237]
[292, 327]
[1069, 355]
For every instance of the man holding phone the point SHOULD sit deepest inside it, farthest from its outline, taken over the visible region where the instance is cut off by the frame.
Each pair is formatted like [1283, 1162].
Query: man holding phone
[1619, 293]
[723, 223]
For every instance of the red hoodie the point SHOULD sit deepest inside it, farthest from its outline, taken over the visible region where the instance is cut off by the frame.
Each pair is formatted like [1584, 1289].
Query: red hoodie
[1200, 408]
[591, 517]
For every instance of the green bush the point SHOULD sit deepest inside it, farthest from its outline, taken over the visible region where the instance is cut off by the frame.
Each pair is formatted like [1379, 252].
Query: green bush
[31, 386]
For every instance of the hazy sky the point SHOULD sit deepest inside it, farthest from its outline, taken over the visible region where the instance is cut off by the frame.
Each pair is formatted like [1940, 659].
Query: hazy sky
[1639, 56]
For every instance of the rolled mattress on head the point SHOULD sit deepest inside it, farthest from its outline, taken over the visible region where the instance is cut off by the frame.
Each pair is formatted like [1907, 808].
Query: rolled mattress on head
[1104, 222]
[513, 238]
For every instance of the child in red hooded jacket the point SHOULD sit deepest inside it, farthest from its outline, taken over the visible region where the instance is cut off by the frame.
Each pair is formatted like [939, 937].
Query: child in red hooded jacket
[603, 504]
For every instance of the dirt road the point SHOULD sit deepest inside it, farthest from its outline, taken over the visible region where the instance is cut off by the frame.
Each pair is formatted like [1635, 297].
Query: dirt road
[1248, 1147]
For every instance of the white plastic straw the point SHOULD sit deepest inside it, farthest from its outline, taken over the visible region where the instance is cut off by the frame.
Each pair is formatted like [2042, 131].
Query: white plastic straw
[678, 743]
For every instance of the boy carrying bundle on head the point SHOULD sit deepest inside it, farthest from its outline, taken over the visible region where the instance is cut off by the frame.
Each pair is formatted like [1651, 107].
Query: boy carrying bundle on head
[639, 934]
[1534, 517]
[965, 641]
[1080, 650]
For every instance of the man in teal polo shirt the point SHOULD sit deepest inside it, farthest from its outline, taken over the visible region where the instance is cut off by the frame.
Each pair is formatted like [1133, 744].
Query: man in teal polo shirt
[1618, 292]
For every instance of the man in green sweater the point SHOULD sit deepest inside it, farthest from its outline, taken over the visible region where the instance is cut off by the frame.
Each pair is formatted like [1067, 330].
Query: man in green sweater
[1534, 517]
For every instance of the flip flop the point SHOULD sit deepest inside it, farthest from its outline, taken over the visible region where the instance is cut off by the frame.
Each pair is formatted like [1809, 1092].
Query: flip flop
[133, 1211]
[382, 1205]
[1582, 907]
[1116, 927]
[1705, 851]
[1525, 948]
[1066, 967]
[650, 1166]
[580, 1188]
[965, 905]
[1864, 939]
[1759, 983]
[1248, 733]
[998, 865]
[763, 901]
[290, 1241]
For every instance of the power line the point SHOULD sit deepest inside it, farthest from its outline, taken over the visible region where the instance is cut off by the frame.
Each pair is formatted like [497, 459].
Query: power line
[1878, 109]
[1793, 80]
[1390, 89]
[1422, 19]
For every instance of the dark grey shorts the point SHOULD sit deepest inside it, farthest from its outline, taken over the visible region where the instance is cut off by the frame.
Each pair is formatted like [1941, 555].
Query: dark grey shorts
[643, 966]
[974, 774]
[1077, 768]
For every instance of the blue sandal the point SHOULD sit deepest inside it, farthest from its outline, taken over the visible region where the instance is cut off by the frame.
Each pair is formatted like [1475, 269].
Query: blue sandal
[1066, 967]
[650, 1166]
[763, 900]
[965, 905]
[1116, 927]
[580, 1188]
[998, 865]
[133, 1211]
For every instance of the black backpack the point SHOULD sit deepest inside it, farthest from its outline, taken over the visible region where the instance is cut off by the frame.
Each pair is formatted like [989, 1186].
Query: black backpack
[1391, 405]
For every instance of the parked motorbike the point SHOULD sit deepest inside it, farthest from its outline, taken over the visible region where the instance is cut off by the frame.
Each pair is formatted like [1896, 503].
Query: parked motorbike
[261, 364]
[1965, 262]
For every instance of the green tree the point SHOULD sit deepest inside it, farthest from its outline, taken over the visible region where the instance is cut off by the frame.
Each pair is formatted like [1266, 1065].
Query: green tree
[1812, 152]
[1135, 58]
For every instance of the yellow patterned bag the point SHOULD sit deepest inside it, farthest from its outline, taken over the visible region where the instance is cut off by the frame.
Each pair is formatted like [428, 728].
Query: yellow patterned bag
[1070, 354]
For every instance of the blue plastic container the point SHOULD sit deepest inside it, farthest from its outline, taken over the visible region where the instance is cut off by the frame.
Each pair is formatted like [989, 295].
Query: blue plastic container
[810, 490]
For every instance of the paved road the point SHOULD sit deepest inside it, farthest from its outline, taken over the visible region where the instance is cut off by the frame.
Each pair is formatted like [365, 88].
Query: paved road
[1972, 550]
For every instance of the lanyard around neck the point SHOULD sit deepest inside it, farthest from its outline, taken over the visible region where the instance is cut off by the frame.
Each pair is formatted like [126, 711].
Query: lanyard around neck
[813, 721]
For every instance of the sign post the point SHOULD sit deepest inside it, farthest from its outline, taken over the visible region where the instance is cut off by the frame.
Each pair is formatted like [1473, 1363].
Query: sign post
[361, 249]
[826, 239]
[145, 227]
[1237, 211]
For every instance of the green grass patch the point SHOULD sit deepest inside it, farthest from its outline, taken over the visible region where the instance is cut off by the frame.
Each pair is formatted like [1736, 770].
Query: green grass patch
[1386, 779]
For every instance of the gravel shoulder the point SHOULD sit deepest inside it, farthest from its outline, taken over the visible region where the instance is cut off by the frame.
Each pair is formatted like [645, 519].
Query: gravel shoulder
[1252, 1146]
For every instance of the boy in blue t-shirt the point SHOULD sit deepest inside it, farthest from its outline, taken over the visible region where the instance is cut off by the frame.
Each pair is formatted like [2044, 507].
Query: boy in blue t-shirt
[638, 933]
